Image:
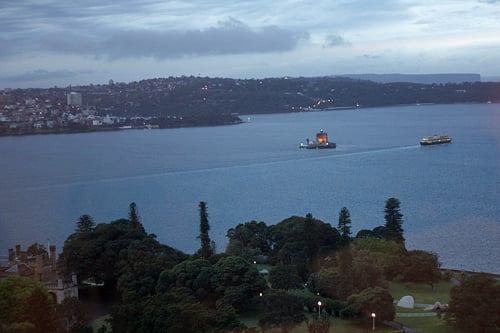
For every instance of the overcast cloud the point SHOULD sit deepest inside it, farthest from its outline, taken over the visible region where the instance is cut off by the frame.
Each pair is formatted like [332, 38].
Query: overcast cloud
[54, 42]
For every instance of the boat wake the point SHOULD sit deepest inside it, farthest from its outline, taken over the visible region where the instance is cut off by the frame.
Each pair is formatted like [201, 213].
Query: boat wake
[330, 154]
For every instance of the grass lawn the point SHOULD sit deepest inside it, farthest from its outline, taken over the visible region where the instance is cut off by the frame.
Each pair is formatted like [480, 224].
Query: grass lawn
[337, 326]
[347, 326]
[101, 321]
[427, 324]
[422, 293]
[250, 319]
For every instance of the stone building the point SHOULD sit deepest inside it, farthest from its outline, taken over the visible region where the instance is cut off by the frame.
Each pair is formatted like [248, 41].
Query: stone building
[39, 267]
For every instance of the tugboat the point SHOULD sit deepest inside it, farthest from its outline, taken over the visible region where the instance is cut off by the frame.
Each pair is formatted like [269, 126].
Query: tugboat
[435, 140]
[320, 143]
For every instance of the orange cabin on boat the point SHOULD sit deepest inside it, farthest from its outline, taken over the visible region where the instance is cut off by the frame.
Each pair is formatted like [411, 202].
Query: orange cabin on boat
[321, 137]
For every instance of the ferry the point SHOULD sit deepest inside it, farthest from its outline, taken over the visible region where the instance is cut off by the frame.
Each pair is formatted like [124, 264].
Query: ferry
[435, 140]
[320, 143]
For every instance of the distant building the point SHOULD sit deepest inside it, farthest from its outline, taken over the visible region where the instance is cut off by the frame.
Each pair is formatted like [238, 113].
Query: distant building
[40, 267]
[74, 98]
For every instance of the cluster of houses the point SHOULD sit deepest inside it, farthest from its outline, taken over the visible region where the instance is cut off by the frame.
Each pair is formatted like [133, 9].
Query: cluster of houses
[37, 114]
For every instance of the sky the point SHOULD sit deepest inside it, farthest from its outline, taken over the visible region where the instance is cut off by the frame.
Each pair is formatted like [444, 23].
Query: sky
[47, 43]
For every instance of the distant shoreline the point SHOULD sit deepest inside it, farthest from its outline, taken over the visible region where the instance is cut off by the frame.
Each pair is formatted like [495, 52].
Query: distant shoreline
[192, 121]
[65, 130]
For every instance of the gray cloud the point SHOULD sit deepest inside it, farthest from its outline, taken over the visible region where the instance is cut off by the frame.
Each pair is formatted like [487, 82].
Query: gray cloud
[232, 37]
[42, 74]
[260, 41]
[371, 56]
[335, 40]
[227, 38]
[103, 30]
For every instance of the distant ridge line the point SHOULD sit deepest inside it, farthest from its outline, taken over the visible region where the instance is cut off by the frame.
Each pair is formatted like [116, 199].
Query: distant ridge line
[417, 78]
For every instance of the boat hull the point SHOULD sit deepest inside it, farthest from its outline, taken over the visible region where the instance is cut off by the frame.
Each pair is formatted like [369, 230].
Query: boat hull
[435, 140]
[434, 143]
[320, 143]
[324, 145]
[327, 145]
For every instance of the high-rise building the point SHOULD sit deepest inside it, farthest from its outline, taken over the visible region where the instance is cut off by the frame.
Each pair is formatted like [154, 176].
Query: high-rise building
[74, 98]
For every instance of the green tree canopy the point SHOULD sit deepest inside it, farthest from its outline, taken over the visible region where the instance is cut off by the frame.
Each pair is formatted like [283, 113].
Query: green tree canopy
[281, 310]
[285, 277]
[421, 266]
[475, 304]
[367, 272]
[301, 240]
[373, 300]
[94, 252]
[236, 281]
[364, 233]
[140, 264]
[327, 282]
[349, 271]
[171, 312]
[248, 240]
[192, 274]
[73, 315]
[388, 255]
[25, 303]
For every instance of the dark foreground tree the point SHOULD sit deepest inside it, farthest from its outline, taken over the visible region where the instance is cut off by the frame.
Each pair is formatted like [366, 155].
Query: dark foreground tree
[393, 221]
[171, 312]
[119, 250]
[26, 306]
[85, 224]
[301, 240]
[282, 311]
[249, 240]
[373, 300]
[73, 316]
[206, 250]
[140, 265]
[386, 255]
[344, 225]
[237, 282]
[94, 254]
[285, 277]
[475, 304]
[421, 266]
[133, 216]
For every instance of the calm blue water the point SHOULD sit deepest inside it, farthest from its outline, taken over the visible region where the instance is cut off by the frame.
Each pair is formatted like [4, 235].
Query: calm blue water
[450, 194]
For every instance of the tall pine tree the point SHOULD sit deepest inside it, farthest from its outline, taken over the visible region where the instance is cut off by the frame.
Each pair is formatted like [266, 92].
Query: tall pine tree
[206, 250]
[393, 221]
[133, 217]
[85, 224]
[345, 225]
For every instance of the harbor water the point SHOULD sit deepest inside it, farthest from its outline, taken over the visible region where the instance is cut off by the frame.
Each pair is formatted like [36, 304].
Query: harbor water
[449, 194]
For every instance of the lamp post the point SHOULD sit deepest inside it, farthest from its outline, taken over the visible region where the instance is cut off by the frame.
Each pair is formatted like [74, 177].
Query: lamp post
[373, 320]
[319, 309]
